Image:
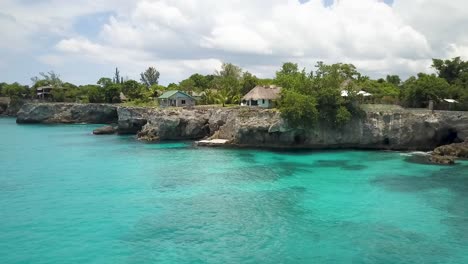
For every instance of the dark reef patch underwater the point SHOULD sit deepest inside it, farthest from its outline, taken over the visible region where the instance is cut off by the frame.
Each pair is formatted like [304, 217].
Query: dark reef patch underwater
[67, 196]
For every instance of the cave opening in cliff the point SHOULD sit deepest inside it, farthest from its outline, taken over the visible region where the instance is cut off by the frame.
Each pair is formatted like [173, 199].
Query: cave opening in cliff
[386, 141]
[299, 139]
[447, 136]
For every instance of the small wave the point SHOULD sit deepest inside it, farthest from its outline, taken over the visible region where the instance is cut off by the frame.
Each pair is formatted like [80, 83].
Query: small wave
[415, 153]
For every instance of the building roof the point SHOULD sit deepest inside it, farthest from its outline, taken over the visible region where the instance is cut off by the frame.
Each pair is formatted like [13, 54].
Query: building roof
[44, 87]
[263, 92]
[364, 93]
[198, 94]
[171, 93]
[451, 101]
[345, 93]
[122, 96]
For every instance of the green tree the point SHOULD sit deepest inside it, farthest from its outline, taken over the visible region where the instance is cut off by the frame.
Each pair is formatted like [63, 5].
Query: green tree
[417, 92]
[155, 90]
[450, 70]
[226, 97]
[133, 90]
[289, 68]
[342, 116]
[49, 78]
[223, 97]
[382, 92]
[298, 109]
[187, 85]
[111, 93]
[249, 81]
[104, 81]
[172, 86]
[322, 89]
[201, 82]
[208, 97]
[95, 94]
[393, 79]
[265, 81]
[289, 77]
[15, 90]
[149, 77]
[2, 84]
[229, 70]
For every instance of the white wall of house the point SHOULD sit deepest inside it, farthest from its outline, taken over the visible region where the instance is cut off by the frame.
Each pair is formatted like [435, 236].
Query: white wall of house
[264, 103]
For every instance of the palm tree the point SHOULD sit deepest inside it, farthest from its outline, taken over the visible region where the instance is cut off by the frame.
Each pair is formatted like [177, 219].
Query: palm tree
[208, 97]
[225, 96]
[222, 97]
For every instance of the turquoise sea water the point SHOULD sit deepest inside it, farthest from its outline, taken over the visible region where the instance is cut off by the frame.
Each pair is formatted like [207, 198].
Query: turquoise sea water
[67, 196]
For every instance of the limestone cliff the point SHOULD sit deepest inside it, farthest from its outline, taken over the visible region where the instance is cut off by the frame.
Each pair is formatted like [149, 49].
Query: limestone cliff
[394, 128]
[67, 113]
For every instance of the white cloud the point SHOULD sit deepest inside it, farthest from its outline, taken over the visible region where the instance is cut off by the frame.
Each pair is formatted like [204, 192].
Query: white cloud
[131, 61]
[52, 60]
[181, 37]
[458, 50]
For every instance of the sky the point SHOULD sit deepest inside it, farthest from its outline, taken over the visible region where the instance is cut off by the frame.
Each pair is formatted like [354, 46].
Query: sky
[83, 40]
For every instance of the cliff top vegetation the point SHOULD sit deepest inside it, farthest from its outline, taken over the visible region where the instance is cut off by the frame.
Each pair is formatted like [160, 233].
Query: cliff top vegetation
[308, 96]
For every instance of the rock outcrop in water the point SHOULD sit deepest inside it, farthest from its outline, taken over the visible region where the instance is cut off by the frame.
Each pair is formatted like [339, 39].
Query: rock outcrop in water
[105, 130]
[67, 113]
[447, 154]
[459, 150]
[395, 129]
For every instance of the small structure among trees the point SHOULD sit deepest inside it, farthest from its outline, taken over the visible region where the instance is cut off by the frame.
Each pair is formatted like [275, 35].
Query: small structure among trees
[44, 92]
[176, 99]
[262, 96]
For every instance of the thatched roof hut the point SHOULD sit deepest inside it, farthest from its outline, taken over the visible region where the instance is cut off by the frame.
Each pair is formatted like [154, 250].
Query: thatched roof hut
[261, 96]
[263, 92]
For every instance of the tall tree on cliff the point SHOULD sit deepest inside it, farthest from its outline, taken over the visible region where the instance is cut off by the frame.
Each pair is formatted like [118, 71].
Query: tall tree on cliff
[451, 70]
[49, 78]
[117, 78]
[150, 77]
[229, 79]
[229, 70]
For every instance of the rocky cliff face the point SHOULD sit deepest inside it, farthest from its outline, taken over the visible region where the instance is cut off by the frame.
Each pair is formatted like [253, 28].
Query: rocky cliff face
[10, 107]
[132, 119]
[67, 113]
[173, 124]
[396, 129]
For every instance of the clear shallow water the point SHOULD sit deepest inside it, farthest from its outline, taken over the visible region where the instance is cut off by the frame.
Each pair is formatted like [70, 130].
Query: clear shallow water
[67, 196]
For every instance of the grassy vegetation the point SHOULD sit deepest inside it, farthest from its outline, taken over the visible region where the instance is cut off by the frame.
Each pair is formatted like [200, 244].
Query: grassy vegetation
[152, 103]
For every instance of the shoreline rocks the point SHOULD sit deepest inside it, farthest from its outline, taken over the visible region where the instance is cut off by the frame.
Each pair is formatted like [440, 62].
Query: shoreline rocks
[443, 160]
[105, 130]
[459, 150]
[447, 154]
[50, 113]
[396, 129]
